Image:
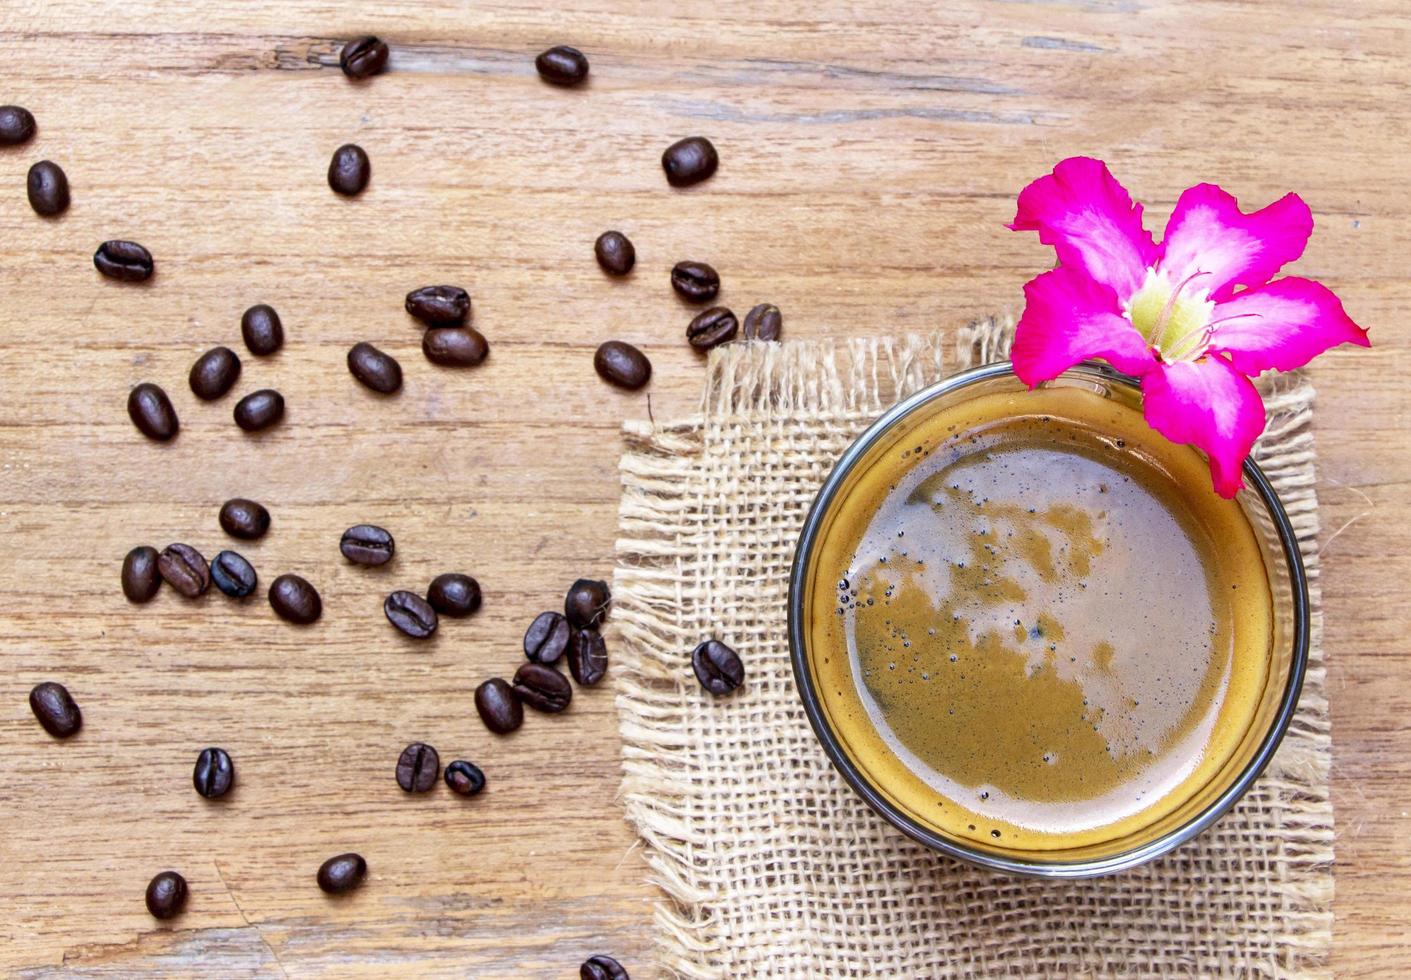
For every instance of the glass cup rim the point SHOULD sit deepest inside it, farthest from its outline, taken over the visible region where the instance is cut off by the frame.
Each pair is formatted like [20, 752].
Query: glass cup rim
[1218, 807]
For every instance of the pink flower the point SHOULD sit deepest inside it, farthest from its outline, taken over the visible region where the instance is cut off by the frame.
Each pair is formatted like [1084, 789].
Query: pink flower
[1194, 317]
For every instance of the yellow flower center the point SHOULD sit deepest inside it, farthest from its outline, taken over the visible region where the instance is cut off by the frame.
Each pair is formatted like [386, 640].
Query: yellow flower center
[1174, 318]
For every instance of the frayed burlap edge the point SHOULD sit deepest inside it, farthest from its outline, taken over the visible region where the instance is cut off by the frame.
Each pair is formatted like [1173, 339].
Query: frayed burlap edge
[823, 379]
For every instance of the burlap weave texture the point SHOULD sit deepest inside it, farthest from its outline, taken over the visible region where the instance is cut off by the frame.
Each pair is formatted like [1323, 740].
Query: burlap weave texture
[771, 867]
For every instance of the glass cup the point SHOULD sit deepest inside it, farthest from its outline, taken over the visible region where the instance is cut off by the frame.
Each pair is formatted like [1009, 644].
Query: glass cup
[1287, 653]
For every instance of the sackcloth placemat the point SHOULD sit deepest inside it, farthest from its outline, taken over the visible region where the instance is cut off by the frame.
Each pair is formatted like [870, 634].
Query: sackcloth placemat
[770, 865]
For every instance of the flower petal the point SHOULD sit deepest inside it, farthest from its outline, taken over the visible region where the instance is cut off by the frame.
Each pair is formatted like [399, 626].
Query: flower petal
[1069, 318]
[1208, 404]
[1282, 326]
[1210, 235]
[1091, 222]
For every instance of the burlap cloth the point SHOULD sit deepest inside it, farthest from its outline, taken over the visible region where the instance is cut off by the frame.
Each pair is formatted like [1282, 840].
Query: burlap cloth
[771, 866]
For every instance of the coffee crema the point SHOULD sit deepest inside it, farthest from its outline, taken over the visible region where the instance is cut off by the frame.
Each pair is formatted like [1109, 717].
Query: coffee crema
[1034, 625]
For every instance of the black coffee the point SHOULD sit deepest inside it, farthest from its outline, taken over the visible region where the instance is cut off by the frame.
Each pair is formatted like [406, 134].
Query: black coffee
[151, 411]
[214, 373]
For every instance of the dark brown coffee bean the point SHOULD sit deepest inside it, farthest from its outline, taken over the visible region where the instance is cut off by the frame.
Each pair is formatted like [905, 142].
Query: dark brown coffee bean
[375, 369]
[342, 873]
[498, 705]
[418, 768]
[542, 688]
[439, 306]
[602, 968]
[615, 253]
[233, 575]
[547, 638]
[621, 364]
[454, 346]
[712, 328]
[184, 569]
[295, 600]
[717, 667]
[562, 65]
[586, 603]
[689, 161]
[244, 519]
[16, 125]
[367, 544]
[259, 410]
[214, 373]
[411, 614]
[363, 57]
[151, 411]
[464, 778]
[587, 657]
[140, 577]
[48, 189]
[124, 261]
[454, 594]
[166, 895]
[262, 329]
[349, 170]
[764, 322]
[55, 708]
[695, 282]
[214, 773]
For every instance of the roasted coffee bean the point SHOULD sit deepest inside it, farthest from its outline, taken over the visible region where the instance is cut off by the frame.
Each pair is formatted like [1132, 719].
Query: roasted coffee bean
[587, 657]
[615, 253]
[562, 65]
[214, 773]
[712, 328]
[764, 322]
[411, 614]
[166, 895]
[233, 575]
[464, 778]
[184, 569]
[259, 410]
[689, 161]
[342, 873]
[454, 594]
[717, 667]
[454, 346]
[295, 600]
[48, 189]
[244, 519]
[262, 329]
[602, 968]
[547, 638]
[151, 411]
[363, 57]
[439, 306]
[349, 170]
[542, 688]
[621, 364]
[586, 603]
[498, 705]
[367, 544]
[375, 369]
[140, 577]
[695, 282]
[418, 768]
[16, 125]
[55, 708]
[214, 373]
[124, 261]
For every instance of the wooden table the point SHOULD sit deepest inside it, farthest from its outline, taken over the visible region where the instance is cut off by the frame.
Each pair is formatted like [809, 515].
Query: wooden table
[871, 153]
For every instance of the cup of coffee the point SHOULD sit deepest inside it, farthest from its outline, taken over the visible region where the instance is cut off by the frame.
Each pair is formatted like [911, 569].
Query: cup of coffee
[1028, 632]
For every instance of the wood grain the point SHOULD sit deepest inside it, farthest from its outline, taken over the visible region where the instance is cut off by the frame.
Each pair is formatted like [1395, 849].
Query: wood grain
[871, 151]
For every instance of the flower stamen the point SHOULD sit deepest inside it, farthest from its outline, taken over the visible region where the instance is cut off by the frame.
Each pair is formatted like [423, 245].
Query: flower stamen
[1165, 315]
